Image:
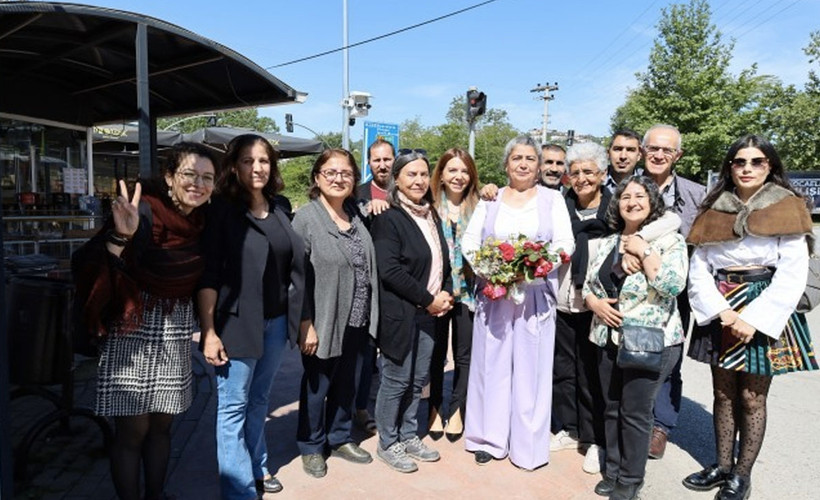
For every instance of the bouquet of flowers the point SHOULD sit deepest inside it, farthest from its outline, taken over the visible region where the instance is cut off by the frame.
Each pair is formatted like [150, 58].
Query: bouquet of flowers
[505, 263]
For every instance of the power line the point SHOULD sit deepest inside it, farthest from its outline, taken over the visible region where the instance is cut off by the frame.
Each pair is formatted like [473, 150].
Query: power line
[396, 32]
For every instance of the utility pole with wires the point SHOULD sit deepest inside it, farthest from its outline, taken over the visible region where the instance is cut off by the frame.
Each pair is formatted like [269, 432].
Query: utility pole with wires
[547, 96]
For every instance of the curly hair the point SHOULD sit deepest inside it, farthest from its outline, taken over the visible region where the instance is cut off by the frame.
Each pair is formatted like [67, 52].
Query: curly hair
[656, 205]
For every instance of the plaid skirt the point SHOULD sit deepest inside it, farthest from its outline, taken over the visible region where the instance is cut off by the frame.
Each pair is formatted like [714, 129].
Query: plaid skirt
[148, 370]
[763, 355]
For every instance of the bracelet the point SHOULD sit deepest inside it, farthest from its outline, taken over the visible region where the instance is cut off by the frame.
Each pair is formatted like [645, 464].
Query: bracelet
[117, 239]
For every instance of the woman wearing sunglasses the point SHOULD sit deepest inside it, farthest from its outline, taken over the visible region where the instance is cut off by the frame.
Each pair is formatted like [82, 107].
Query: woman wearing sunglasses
[749, 268]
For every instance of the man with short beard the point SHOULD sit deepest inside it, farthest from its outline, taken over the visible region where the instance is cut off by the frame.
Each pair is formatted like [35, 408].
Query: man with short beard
[553, 166]
[380, 156]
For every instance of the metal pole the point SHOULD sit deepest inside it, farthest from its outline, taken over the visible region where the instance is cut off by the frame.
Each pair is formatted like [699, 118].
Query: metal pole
[546, 121]
[346, 81]
[143, 105]
[471, 146]
[547, 97]
[6, 464]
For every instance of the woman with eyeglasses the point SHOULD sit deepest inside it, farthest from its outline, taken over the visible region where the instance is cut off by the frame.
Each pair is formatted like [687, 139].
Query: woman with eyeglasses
[341, 311]
[415, 289]
[454, 187]
[138, 276]
[625, 306]
[250, 305]
[752, 240]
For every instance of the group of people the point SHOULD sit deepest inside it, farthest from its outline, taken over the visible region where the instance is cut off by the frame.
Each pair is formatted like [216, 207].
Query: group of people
[387, 265]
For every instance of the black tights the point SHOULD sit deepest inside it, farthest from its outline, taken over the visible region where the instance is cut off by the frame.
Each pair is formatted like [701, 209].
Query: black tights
[740, 406]
[142, 439]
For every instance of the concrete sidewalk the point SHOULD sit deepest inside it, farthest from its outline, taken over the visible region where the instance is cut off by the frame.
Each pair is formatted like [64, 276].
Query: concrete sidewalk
[75, 467]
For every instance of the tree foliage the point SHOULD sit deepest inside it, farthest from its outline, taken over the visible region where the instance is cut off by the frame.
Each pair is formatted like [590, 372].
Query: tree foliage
[493, 131]
[241, 118]
[688, 84]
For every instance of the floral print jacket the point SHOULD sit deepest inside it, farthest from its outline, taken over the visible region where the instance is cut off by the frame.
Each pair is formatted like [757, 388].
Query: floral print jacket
[647, 303]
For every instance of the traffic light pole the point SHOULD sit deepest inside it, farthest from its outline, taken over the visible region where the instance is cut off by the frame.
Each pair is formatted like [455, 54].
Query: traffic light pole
[471, 146]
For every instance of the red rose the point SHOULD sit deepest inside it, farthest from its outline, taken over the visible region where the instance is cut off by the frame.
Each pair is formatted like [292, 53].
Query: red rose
[532, 245]
[564, 257]
[543, 269]
[507, 251]
[528, 262]
[494, 292]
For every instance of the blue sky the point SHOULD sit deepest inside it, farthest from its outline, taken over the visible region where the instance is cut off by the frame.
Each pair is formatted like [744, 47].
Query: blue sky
[592, 49]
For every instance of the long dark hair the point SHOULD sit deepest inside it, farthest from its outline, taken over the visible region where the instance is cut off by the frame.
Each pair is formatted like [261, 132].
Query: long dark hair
[229, 184]
[777, 173]
[656, 204]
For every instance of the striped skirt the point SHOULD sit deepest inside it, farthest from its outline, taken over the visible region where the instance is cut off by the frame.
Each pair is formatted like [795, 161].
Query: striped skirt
[791, 352]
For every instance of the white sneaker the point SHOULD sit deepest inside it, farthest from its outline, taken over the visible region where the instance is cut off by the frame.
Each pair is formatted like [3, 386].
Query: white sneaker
[563, 441]
[593, 459]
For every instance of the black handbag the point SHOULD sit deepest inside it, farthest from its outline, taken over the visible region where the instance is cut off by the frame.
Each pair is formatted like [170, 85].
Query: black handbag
[640, 348]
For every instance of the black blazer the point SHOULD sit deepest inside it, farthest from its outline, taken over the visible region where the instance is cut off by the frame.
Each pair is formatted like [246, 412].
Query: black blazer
[236, 252]
[404, 260]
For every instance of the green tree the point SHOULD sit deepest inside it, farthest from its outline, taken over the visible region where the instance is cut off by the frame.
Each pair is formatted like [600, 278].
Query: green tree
[493, 131]
[241, 118]
[792, 117]
[688, 84]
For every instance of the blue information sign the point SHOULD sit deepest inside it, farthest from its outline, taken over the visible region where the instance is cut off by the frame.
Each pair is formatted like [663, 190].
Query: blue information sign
[373, 131]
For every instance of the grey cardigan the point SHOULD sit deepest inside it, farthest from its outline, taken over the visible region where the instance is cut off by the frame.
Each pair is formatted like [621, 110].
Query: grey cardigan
[330, 276]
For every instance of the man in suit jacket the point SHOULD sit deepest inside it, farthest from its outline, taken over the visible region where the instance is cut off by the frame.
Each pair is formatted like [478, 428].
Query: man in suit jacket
[380, 156]
[661, 148]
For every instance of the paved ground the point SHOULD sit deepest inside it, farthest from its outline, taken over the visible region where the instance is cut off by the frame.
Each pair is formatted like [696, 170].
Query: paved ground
[74, 466]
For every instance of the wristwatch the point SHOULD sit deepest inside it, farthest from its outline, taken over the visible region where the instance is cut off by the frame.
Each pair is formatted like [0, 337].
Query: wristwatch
[646, 253]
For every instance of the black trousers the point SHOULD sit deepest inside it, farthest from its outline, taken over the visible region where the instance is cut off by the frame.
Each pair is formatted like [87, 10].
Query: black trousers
[667, 403]
[629, 397]
[577, 401]
[327, 396]
[462, 339]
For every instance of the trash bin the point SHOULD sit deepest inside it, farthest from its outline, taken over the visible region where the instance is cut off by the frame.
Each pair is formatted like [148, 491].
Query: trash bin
[39, 330]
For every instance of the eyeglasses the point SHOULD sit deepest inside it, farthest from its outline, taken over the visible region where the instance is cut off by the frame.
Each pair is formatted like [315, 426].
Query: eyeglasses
[191, 177]
[586, 173]
[652, 150]
[330, 175]
[758, 163]
[405, 151]
[560, 163]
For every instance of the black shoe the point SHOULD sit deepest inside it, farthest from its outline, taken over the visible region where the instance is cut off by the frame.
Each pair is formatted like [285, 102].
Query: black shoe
[454, 436]
[483, 458]
[314, 464]
[736, 487]
[268, 485]
[605, 487]
[705, 480]
[435, 435]
[626, 491]
[352, 453]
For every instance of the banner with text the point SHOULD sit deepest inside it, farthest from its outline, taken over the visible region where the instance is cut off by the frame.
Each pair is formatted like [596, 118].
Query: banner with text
[372, 132]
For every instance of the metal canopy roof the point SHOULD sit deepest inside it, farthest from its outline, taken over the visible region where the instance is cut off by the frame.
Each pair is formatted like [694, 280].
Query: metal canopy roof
[77, 64]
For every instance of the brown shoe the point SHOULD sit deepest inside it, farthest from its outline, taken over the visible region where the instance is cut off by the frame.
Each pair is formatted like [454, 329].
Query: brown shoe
[657, 446]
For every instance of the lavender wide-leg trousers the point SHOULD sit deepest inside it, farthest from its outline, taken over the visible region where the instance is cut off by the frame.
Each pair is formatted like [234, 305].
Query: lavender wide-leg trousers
[509, 396]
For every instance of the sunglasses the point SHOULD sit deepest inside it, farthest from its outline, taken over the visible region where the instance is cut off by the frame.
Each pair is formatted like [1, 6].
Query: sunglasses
[758, 162]
[406, 151]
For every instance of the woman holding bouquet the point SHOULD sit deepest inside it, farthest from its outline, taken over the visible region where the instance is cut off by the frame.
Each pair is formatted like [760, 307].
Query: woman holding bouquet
[455, 194]
[641, 303]
[414, 289]
[509, 410]
[747, 274]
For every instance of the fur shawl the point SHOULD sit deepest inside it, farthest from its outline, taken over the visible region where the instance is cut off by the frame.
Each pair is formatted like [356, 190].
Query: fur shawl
[772, 211]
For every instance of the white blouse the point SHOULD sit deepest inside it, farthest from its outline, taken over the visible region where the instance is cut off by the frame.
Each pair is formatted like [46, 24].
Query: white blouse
[770, 311]
[513, 221]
